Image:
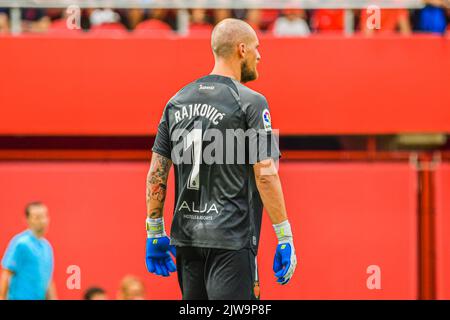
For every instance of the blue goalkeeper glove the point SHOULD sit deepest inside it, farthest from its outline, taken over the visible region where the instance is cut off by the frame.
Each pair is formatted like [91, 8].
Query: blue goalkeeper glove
[158, 249]
[285, 260]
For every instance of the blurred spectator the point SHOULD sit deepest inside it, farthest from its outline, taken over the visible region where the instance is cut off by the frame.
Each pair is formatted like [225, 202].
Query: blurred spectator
[171, 18]
[392, 20]
[293, 23]
[95, 293]
[131, 288]
[134, 16]
[34, 20]
[4, 20]
[448, 26]
[221, 14]
[105, 19]
[254, 19]
[240, 13]
[268, 17]
[432, 18]
[54, 13]
[155, 22]
[198, 23]
[158, 14]
[28, 261]
[328, 20]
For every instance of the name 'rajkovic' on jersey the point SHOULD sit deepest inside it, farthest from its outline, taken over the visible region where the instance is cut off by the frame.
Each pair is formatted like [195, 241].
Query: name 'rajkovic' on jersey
[199, 110]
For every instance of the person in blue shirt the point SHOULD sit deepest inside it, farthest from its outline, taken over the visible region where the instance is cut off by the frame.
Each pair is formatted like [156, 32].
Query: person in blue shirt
[27, 265]
[432, 18]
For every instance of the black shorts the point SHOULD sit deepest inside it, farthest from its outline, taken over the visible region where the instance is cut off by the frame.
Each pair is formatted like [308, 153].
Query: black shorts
[217, 274]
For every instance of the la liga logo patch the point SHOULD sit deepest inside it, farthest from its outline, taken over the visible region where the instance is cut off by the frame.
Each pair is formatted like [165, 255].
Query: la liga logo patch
[267, 120]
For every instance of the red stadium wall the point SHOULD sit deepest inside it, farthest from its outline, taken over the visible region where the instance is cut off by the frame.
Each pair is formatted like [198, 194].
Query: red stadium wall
[346, 217]
[83, 85]
[443, 231]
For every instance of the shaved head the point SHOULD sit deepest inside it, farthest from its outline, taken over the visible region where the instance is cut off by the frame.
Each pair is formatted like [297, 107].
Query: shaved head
[228, 34]
[235, 47]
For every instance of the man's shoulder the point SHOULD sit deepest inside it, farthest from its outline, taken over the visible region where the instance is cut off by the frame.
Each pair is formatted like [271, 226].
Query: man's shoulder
[249, 96]
[182, 91]
[20, 240]
[22, 237]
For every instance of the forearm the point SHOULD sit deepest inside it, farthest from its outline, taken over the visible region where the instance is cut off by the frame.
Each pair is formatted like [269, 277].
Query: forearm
[157, 258]
[51, 292]
[157, 185]
[4, 284]
[269, 187]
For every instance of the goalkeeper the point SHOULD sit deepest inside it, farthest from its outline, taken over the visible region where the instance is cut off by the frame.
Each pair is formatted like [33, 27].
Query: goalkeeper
[218, 206]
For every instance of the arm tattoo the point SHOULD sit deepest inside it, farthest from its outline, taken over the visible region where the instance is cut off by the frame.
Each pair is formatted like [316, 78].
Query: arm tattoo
[157, 185]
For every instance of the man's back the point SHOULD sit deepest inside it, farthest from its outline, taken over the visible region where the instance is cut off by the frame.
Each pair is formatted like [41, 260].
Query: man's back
[217, 203]
[218, 135]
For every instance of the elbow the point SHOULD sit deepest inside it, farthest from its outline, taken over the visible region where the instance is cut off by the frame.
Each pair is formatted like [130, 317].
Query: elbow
[266, 179]
[266, 172]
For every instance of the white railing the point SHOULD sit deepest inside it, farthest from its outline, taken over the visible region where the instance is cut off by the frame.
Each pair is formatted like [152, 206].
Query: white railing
[236, 4]
[183, 16]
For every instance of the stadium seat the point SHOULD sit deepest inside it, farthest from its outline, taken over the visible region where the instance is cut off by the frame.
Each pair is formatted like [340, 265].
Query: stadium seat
[328, 20]
[59, 26]
[153, 24]
[109, 28]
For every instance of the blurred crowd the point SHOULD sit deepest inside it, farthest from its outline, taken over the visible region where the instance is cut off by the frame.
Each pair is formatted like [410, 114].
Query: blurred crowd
[433, 18]
[130, 288]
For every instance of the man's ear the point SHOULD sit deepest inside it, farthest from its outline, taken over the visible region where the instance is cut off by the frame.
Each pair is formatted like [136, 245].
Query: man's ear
[242, 50]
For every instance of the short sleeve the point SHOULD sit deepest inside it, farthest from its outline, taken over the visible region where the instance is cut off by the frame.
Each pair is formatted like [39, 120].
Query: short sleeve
[259, 122]
[162, 140]
[13, 255]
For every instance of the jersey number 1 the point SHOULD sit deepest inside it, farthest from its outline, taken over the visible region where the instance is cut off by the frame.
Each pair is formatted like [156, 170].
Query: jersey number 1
[194, 138]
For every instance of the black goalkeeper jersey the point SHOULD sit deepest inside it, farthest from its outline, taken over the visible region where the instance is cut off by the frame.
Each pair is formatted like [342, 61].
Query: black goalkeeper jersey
[214, 130]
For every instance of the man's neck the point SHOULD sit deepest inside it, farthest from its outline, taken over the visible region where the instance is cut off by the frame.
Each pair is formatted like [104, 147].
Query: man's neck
[38, 235]
[226, 69]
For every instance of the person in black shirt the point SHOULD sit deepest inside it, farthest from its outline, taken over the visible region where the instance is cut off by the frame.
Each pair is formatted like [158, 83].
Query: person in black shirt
[218, 135]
